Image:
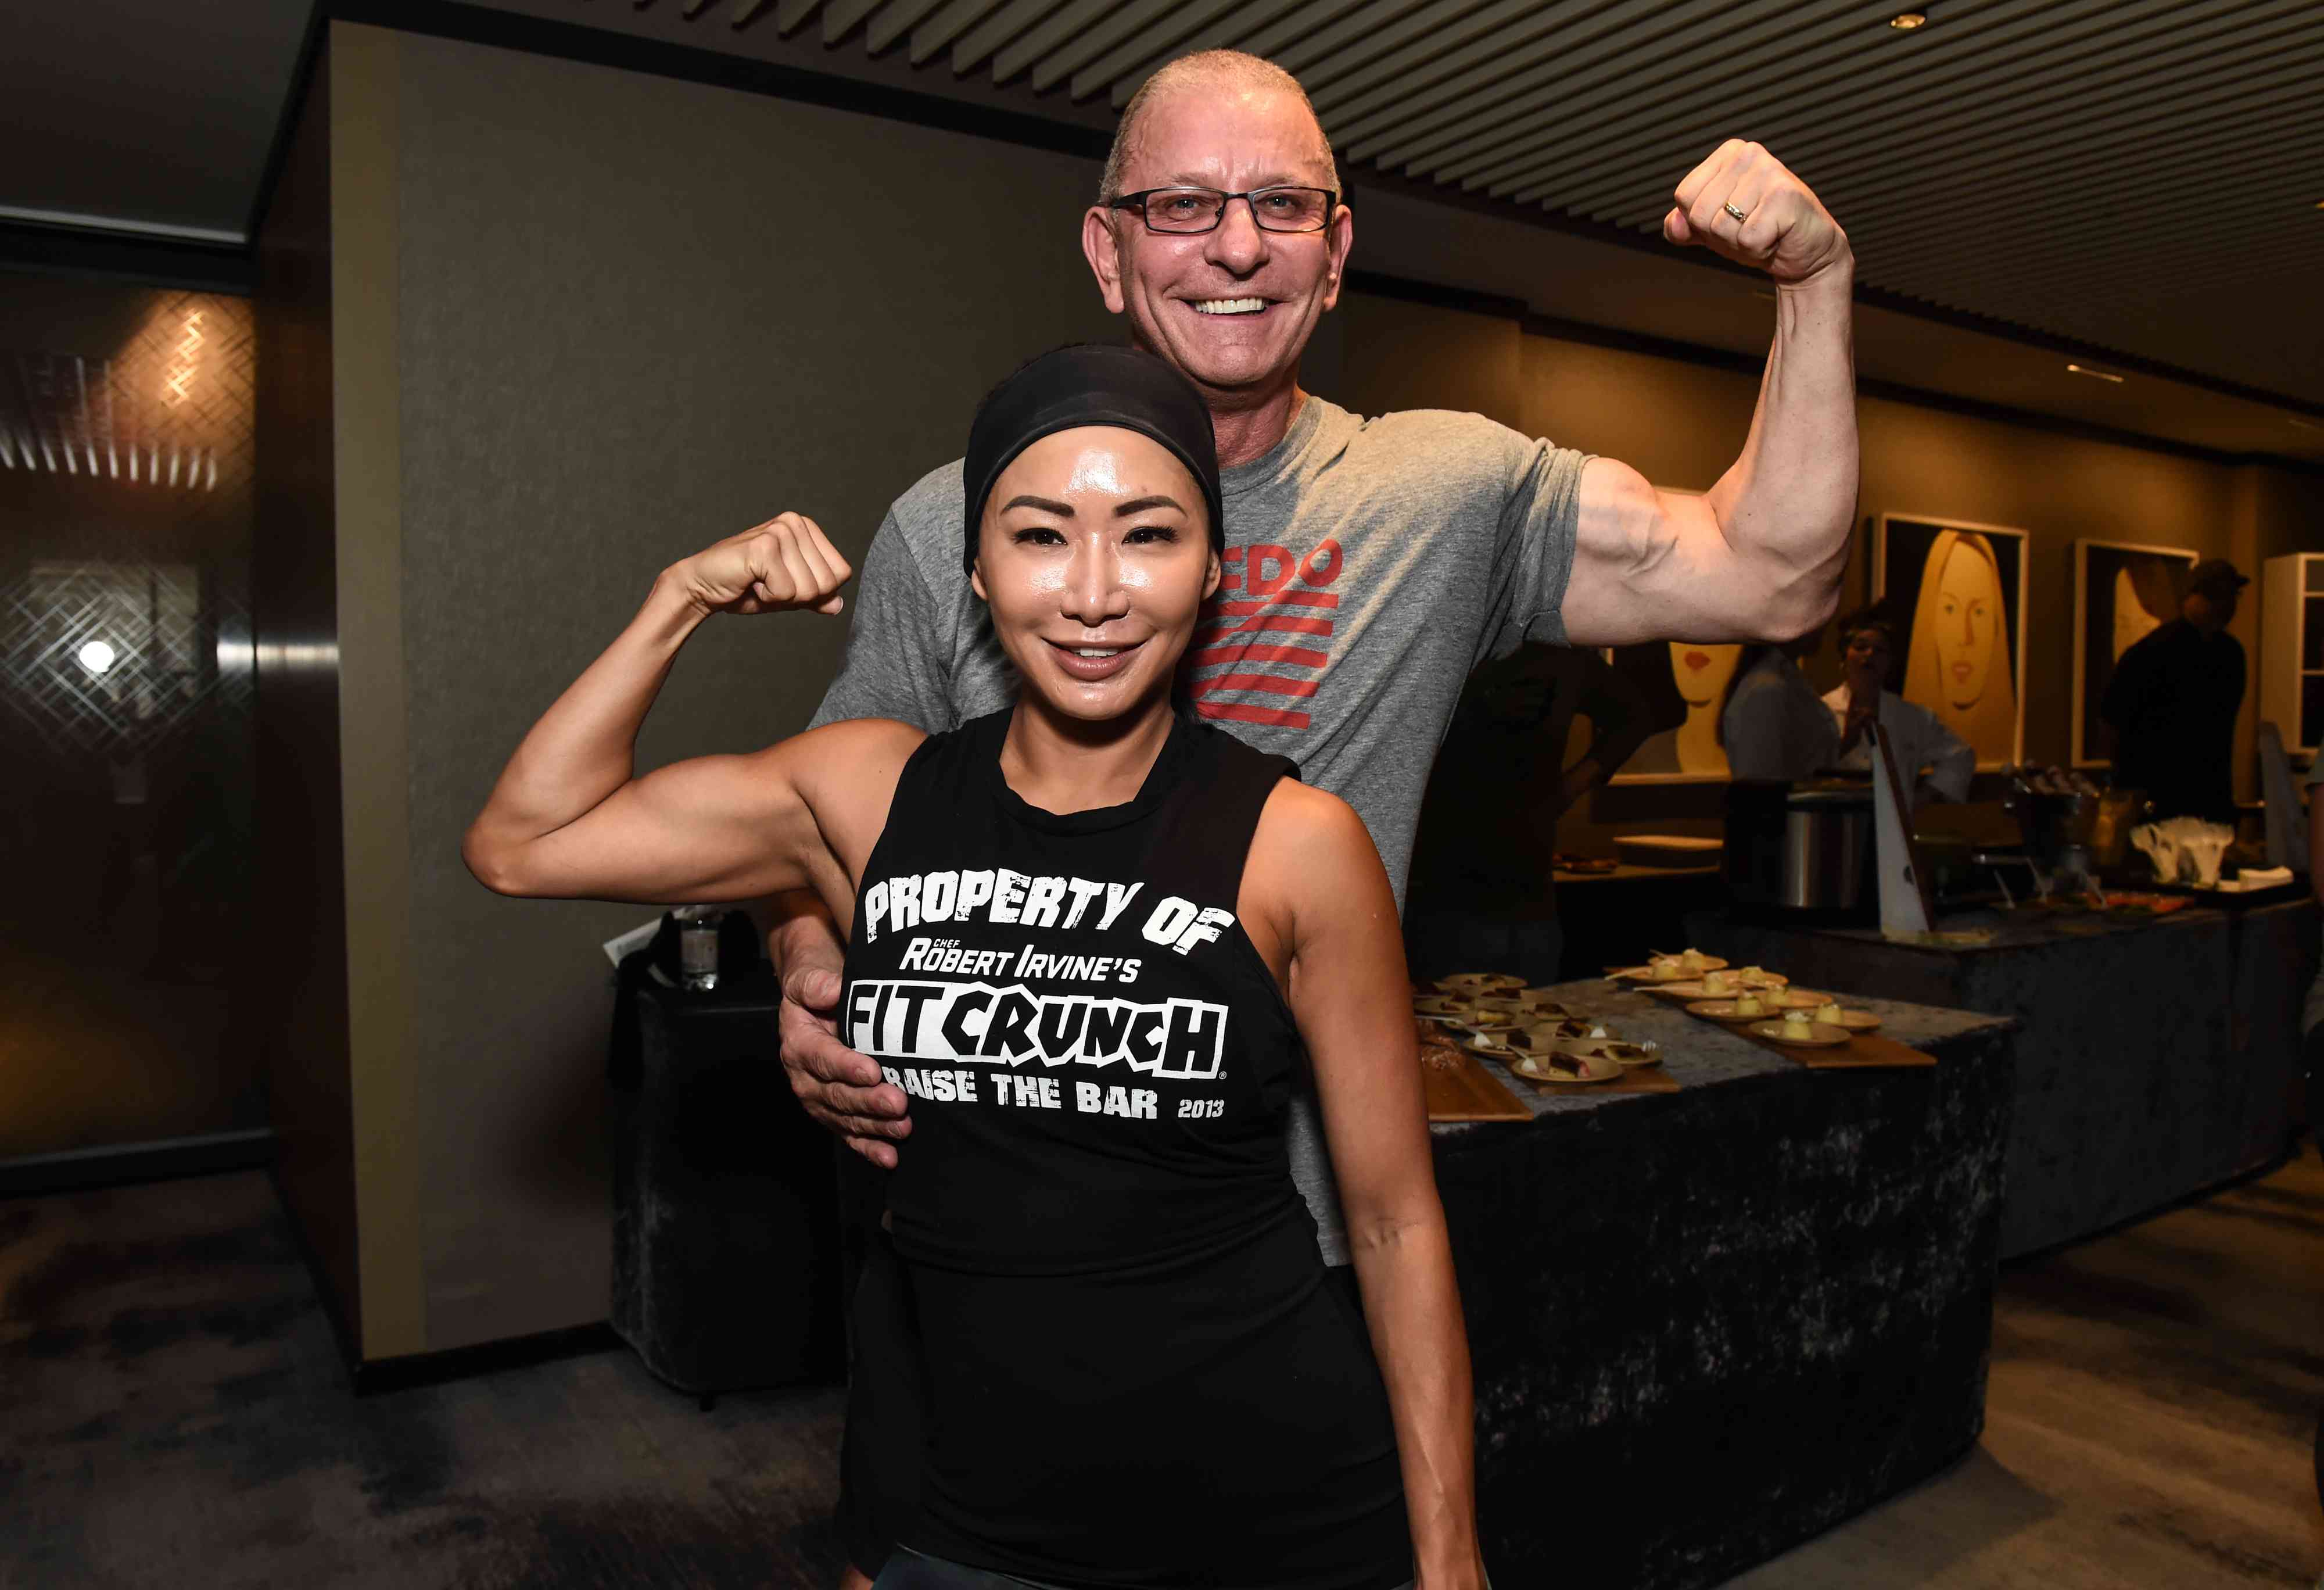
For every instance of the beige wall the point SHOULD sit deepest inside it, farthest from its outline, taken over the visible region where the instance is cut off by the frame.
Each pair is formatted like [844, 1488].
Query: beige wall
[630, 315]
[1683, 424]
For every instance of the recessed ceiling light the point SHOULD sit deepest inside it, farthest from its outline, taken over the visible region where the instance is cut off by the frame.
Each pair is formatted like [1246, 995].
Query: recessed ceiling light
[2095, 374]
[96, 656]
[1904, 22]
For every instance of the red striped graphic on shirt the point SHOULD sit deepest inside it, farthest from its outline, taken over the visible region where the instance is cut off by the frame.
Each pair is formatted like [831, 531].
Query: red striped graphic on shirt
[1267, 633]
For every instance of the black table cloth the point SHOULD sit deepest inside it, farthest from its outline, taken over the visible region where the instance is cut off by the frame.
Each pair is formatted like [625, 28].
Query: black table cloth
[1708, 1324]
[2156, 1057]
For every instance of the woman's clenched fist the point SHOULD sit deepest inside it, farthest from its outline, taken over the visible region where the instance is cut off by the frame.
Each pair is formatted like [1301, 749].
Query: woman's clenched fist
[786, 563]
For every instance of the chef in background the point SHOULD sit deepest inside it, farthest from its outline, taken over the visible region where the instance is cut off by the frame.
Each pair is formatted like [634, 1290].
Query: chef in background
[1932, 761]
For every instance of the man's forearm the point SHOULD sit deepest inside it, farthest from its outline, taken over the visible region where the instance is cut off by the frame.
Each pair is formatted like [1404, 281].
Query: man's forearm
[1787, 503]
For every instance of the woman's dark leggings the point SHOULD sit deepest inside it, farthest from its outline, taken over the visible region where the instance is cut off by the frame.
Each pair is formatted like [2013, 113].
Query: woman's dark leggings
[908, 1570]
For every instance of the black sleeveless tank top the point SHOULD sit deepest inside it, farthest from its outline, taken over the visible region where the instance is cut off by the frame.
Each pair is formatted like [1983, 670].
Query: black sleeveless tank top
[1135, 1372]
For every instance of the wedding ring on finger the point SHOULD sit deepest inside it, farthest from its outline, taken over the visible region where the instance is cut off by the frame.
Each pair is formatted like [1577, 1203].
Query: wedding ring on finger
[1738, 214]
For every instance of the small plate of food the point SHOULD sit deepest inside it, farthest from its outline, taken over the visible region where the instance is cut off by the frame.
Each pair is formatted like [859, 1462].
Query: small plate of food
[1629, 1055]
[1798, 1032]
[1830, 1014]
[1753, 1004]
[1669, 969]
[1481, 983]
[1439, 1050]
[1796, 999]
[1566, 1067]
[1541, 1002]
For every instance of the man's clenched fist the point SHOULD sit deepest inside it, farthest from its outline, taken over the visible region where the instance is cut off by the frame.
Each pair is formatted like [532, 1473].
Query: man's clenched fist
[1782, 228]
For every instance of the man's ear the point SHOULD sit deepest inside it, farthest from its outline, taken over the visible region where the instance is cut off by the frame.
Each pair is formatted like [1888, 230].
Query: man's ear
[1102, 246]
[976, 580]
[1210, 581]
[1340, 241]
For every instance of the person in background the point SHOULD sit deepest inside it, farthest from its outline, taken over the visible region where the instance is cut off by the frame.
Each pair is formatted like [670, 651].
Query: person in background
[2311, 1017]
[1932, 761]
[1773, 725]
[1481, 895]
[2174, 700]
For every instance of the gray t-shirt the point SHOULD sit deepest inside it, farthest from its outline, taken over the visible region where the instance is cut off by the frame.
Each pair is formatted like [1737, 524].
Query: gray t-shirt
[1369, 566]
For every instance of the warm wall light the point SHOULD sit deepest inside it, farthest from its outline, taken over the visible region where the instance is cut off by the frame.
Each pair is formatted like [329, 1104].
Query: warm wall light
[182, 357]
[1904, 22]
[96, 656]
[2095, 374]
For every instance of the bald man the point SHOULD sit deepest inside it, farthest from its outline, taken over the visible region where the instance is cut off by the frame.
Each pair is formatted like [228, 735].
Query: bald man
[1370, 563]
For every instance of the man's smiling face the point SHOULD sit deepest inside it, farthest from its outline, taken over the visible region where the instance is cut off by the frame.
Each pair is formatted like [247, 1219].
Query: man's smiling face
[1233, 307]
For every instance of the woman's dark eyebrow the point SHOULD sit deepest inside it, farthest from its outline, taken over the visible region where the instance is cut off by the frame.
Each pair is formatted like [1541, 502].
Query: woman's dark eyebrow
[1046, 505]
[1141, 504]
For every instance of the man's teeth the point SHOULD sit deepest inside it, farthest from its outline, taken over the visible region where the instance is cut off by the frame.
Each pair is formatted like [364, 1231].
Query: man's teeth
[1229, 306]
[1095, 651]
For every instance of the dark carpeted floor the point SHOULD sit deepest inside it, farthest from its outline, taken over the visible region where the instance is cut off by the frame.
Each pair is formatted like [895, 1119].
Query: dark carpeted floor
[172, 1414]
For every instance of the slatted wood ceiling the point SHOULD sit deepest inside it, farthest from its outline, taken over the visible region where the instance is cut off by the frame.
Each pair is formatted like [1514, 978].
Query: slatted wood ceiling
[2140, 174]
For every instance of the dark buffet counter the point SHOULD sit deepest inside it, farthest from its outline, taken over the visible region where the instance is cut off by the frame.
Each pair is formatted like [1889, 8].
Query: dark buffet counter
[2156, 1056]
[1706, 1324]
[1709, 1323]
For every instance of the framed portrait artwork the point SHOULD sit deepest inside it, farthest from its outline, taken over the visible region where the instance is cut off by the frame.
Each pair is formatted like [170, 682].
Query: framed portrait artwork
[1960, 590]
[1686, 684]
[2122, 593]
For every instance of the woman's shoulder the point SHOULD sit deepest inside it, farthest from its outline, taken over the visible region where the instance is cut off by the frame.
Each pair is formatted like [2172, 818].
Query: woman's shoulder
[1311, 834]
[855, 758]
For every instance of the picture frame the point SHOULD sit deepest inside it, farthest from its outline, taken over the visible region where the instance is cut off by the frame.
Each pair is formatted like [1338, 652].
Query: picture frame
[1687, 683]
[2108, 576]
[1959, 589]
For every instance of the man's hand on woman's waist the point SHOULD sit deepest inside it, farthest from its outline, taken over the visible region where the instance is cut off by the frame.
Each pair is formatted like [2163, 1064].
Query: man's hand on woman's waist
[841, 1090]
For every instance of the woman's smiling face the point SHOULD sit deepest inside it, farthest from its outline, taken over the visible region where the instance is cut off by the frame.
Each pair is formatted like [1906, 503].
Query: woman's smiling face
[1969, 611]
[1094, 557]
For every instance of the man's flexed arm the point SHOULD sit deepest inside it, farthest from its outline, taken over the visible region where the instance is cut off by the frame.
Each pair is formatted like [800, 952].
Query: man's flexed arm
[1759, 556]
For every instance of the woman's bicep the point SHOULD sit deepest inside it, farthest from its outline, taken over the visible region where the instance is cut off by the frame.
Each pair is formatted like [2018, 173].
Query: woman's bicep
[710, 828]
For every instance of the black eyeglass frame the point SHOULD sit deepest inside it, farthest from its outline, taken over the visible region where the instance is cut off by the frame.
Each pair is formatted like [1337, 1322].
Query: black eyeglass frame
[1137, 202]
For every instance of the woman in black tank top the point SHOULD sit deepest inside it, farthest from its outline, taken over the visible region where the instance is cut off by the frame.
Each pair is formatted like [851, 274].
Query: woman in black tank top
[1093, 938]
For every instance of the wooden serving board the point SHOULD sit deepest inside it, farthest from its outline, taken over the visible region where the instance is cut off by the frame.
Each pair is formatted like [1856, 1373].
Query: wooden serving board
[1467, 1092]
[1863, 1051]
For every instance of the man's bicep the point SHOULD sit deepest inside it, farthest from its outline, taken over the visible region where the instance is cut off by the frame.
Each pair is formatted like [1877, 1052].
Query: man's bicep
[1645, 562]
[894, 666]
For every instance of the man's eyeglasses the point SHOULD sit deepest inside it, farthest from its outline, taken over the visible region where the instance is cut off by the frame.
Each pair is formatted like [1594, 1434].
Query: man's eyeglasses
[1200, 209]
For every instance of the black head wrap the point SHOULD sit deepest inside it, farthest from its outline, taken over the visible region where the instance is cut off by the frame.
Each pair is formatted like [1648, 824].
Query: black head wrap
[1091, 384]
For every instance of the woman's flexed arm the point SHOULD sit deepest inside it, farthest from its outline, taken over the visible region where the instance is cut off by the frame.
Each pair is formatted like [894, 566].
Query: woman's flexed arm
[568, 818]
